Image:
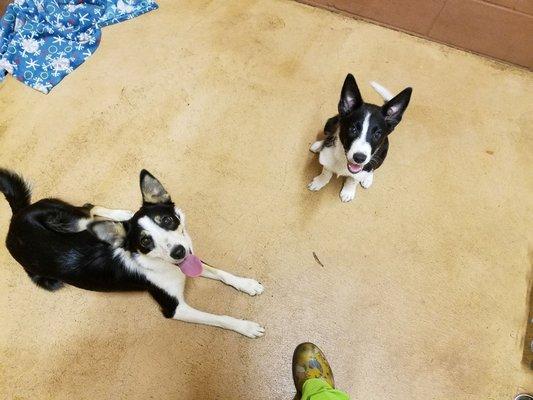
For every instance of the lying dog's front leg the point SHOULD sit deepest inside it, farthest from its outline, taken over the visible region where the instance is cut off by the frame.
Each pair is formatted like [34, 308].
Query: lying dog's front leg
[246, 285]
[247, 328]
[167, 289]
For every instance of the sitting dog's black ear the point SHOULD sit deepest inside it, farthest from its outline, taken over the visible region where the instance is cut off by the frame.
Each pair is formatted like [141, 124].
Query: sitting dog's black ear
[395, 107]
[350, 96]
[152, 190]
[108, 231]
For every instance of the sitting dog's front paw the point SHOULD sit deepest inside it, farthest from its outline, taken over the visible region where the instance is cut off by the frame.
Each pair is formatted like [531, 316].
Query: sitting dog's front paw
[249, 286]
[347, 194]
[367, 182]
[317, 146]
[316, 184]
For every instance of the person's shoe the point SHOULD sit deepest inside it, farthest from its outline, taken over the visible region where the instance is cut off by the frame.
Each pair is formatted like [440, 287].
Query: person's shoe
[524, 397]
[309, 362]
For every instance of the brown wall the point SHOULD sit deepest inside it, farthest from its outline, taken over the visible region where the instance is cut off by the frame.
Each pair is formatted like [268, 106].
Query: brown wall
[501, 29]
[3, 6]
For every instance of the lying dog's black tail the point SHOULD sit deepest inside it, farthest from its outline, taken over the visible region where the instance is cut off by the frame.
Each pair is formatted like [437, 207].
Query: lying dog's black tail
[16, 190]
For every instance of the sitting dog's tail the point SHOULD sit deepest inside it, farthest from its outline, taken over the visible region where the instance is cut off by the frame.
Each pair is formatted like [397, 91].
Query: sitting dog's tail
[383, 92]
[16, 190]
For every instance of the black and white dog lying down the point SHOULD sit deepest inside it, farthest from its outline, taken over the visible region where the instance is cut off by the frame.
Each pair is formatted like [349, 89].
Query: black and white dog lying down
[356, 140]
[99, 249]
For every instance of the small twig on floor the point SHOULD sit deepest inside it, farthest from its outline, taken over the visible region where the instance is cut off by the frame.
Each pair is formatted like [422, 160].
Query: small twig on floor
[318, 260]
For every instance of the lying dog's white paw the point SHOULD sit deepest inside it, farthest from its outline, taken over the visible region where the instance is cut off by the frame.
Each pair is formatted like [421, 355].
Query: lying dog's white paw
[316, 184]
[367, 182]
[123, 215]
[347, 193]
[317, 146]
[249, 286]
[249, 328]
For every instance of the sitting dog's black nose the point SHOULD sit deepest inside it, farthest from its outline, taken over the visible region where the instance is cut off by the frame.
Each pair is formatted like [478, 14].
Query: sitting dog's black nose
[178, 252]
[359, 158]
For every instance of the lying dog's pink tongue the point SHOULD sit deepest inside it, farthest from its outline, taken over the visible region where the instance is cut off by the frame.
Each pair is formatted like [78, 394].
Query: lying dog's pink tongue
[354, 168]
[191, 266]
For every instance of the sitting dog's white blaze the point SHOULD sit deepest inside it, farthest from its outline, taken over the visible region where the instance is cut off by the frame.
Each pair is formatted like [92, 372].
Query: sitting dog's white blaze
[361, 145]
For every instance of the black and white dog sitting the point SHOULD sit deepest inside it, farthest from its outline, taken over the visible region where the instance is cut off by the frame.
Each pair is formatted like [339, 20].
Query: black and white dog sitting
[100, 249]
[356, 140]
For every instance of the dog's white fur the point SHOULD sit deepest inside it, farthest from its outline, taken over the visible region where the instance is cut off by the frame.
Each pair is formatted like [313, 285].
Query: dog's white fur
[382, 91]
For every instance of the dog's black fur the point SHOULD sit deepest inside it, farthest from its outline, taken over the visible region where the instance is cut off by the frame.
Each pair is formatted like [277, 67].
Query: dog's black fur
[44, 238]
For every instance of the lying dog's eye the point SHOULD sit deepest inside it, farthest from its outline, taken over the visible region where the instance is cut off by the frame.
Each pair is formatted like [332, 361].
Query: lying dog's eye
[376, 133]
[146, 241]
[167, 221]
[358, 126]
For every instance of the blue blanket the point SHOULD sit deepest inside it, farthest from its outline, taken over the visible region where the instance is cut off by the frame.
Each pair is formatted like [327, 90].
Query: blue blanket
[42, 41]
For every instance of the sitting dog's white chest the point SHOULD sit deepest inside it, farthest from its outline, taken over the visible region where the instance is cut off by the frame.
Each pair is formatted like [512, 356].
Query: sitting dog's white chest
[334, 159]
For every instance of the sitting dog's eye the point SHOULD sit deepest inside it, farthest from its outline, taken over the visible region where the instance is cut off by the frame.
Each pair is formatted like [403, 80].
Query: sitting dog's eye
[146, 241]
[167, 221]
[376, 133]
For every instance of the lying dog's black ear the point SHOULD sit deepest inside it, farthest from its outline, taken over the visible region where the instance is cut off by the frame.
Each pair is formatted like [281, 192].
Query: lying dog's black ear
[108, 231]
[152, 190]
[350, 96]
[395, 107]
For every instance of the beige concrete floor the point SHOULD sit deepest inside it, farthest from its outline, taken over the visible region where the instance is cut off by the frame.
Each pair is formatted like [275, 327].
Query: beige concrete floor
[423, 290]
